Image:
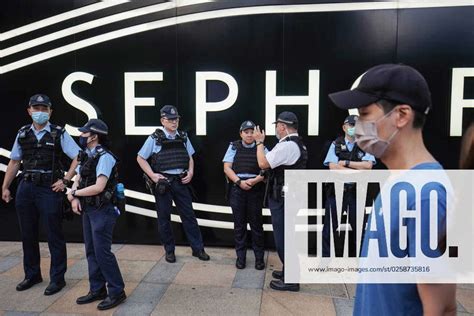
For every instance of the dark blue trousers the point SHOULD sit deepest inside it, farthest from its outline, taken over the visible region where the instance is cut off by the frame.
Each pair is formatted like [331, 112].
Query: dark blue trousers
[32, 203]
[348, 206]
[181, 195]
[98, 225]
[277, 209]
[247, 208]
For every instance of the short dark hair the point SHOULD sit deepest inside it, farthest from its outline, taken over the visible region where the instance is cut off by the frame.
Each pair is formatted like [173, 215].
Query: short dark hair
[103, 140]
[418, 120]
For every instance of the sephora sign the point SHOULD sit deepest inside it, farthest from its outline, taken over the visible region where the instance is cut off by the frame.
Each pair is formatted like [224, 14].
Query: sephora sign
[221, 63]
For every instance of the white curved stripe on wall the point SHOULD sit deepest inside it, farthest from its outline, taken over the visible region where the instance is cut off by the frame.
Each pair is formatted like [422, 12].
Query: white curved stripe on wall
[93, 24]
[60, 18]
[255, 10]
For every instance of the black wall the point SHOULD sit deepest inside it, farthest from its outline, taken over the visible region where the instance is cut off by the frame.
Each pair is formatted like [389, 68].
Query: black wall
[341, 45]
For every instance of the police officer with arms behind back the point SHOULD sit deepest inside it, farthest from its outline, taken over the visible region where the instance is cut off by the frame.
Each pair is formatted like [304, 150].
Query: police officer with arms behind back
[246, 194]
[288, 153]
[166, 159]
[344, 154]
[92, 195]
[41, 145]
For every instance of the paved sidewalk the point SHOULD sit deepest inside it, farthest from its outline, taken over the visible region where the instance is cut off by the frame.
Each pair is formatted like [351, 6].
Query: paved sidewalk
[187, 287]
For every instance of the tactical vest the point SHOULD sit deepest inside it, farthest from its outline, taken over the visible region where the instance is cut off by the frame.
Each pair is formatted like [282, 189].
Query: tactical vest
[88, 174]
[173, 153]
[278, 174]
[44, 154]
[343, 153]
[245, 160]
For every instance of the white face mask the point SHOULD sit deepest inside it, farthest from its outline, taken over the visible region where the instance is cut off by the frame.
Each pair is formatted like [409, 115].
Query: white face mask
[366, 137]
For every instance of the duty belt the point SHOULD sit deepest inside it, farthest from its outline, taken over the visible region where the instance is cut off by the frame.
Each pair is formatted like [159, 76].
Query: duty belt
[38, 178]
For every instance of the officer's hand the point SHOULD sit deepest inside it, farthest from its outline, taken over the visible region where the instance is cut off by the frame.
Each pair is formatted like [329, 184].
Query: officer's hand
[58, 186]
[250, 182]
[245, 186]
[76, 206]
[6, 195]
[258, 135]
[157, 176]
[188, 178]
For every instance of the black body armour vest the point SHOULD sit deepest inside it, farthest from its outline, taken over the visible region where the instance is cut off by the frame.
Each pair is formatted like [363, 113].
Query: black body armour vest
[278, 174]
[245, 160]
[44, 154]
[173, 153]
[89, 176]
[343, 153]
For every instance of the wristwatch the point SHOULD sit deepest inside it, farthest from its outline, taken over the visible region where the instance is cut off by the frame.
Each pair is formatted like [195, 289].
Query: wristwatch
[73, 193]
[258, 143]
[66, 182]
[238, 182]
[346, 163]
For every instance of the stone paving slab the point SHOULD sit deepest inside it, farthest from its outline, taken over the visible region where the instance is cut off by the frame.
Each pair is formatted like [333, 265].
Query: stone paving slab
[290, 303]
[142, 300]
[206, 274]
[249, 278]
[205, 300]
[140, 252]
[343, 307]
[7, 248]
[163, 272]
[135, 271]
[466, 298]
[6, 263]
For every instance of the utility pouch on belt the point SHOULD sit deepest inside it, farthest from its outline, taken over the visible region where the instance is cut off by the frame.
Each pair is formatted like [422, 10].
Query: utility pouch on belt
[162, 186]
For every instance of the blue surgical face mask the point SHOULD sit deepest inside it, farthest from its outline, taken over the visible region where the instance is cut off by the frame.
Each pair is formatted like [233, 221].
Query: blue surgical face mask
[40, 117]
[83, 142]
[351, 131]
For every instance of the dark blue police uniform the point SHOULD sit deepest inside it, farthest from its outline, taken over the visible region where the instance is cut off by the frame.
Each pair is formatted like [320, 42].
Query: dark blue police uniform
[99, 216]
[169, 154]
[41, 153]
[246, 205]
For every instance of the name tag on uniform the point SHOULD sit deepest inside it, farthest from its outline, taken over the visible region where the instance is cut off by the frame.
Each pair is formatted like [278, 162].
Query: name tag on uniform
[49, 144]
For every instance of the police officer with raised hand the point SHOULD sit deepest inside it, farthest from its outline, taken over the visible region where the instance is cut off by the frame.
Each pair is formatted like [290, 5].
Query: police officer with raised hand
[345, 154]
[166, 159]
[39, 147]
[92, 196]
[288, 153]
[246, 194]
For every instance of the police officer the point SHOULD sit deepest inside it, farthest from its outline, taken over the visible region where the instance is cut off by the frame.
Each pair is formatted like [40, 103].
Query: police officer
[166, 158]
[246, 194]
[92, 196]
[288, 153]
[344, 154]
[41, 145]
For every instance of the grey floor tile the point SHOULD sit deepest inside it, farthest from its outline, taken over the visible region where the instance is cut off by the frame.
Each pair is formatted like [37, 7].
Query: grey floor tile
[6, 263]
[343, 307]
[163, 272]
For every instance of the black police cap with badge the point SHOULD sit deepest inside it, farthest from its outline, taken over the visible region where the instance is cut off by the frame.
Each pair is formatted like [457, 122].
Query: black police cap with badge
[169, 112]
[40, 99]
[247, 125]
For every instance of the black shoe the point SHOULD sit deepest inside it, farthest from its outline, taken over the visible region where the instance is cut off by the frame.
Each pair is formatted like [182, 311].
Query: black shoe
[54, 287]
[27, 283]
[111, 302]
[259, 264]
[92, 297]
[279, 285]
[170, 257]
[277, 274]
[202, 255]
[240, 263]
